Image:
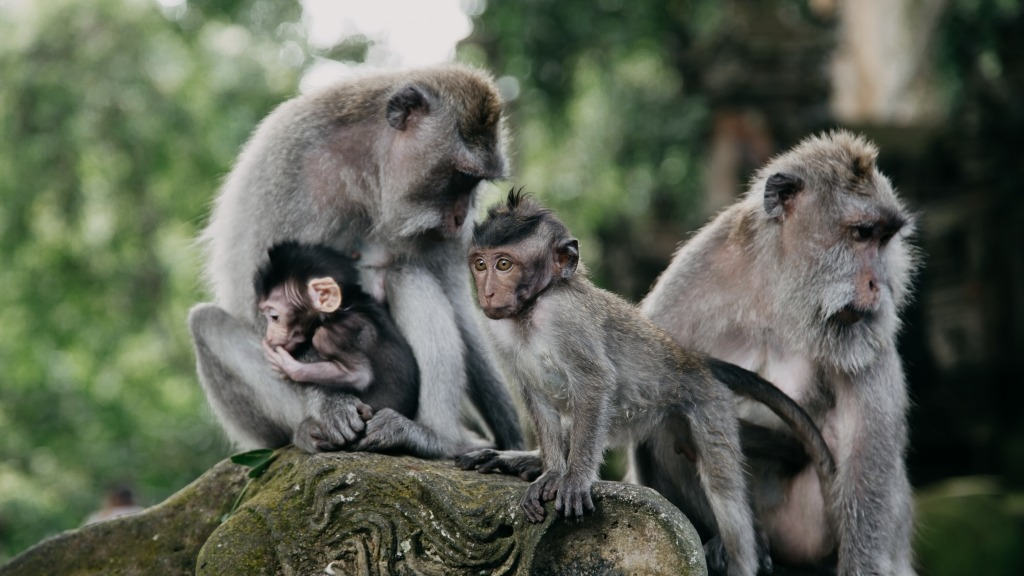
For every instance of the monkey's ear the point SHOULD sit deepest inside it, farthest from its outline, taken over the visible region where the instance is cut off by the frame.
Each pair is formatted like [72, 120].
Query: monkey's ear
[779, 191]
[325, 294]
[567, 257]
[403, 104]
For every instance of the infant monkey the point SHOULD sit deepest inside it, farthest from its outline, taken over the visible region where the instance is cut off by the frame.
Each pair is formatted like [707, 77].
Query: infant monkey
[594, 372]
[300, 291]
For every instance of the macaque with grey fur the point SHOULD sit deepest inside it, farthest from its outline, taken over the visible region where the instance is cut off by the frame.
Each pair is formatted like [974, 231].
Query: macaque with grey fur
[385, 165]
[594, 372]
[803, 281]
[310, 299]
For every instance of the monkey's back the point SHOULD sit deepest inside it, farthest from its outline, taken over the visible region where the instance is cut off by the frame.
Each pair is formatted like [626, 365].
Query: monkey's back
[313, 171]
[367, 328]
[650, 370]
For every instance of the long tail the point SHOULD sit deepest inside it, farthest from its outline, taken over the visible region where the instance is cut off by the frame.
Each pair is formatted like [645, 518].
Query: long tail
[746, 383]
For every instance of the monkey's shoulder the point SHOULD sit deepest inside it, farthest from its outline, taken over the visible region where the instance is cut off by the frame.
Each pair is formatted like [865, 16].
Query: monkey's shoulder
[352, 329]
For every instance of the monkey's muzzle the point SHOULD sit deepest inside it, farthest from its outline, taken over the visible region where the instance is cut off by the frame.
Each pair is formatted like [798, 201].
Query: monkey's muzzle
[850, 315]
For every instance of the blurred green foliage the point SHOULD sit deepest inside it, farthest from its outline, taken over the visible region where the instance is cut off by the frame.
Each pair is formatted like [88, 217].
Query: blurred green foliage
[608, 128]
[117, 123]
[969, 525]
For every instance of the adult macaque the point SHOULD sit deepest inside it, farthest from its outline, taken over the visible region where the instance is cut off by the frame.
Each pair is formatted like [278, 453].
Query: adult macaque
[386, 165]
[802, 281]
[594, 372]
[301, 290]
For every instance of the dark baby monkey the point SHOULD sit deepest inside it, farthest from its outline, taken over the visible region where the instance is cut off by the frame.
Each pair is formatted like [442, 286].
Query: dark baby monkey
[310, 296]
[594, 372]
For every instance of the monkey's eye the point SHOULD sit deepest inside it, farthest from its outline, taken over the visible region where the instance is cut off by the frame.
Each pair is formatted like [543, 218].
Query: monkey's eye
[479, 265]
[862, 232]
[272, 315]
[504, 264]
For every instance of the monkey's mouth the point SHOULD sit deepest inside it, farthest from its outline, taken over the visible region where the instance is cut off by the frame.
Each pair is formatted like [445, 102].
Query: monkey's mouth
[850, 315]
[498, 312]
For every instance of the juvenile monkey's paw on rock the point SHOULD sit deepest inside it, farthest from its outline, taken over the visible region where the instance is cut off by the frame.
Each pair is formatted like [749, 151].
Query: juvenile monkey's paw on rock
[574, 497]
[364, 513]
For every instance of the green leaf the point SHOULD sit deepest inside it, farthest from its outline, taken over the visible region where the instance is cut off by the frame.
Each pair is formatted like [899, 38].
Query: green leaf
[254, 458]
[260, 468]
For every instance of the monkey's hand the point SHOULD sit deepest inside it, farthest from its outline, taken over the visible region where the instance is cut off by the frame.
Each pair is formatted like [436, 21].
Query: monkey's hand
[336, 423]
[526, 465]
[280, 360]
[574, 496]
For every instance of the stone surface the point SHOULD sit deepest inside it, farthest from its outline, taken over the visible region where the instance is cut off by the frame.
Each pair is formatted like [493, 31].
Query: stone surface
[347, 513]
[161, 540]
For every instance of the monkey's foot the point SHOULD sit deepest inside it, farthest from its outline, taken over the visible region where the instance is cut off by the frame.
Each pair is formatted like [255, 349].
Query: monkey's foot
[340, 426]
[718, 559]
[386, 430]
[543, 489]
[574, 497]
[526, 465]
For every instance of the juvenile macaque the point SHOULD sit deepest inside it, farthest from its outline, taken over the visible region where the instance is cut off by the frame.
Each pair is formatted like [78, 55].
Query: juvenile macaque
[594, 372]
[802, 281]
[386, 165]
[310, 297]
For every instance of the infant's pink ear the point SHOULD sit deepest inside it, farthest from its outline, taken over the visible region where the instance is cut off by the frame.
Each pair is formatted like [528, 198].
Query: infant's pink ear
[325, 294]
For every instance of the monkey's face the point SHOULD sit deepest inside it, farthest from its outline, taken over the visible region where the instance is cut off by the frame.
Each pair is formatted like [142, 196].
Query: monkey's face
[447, 138]
[861, 258]
[497, 275]
[855, 265]
[508, 278]
[285, 322]
[440, 209]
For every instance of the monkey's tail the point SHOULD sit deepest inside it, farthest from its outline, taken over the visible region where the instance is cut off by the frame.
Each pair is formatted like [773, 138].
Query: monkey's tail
[746, 383]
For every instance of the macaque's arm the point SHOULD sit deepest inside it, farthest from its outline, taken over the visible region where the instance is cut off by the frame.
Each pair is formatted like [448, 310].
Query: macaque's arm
[355, 376]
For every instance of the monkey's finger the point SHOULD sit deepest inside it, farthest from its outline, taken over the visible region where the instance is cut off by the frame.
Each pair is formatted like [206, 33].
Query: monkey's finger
[345, 431]
[371, 442]
[465, 462]
[325, 446]
[354, 419]
[365, 411]
[475, 460]
[577, 504]
[269, 354]
[550, 492]
[323, 443]
[533, 509]
[490, 466]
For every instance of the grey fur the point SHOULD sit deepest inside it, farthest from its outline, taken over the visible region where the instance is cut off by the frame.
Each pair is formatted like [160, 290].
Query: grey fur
[764, 287]
[593, 373]
[372, 165]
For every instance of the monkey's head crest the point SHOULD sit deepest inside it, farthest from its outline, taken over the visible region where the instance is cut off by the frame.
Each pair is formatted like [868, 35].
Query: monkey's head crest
[294, 262]
[512, 221]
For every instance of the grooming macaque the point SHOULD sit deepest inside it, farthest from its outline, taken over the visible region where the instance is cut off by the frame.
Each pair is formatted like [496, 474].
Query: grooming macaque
[594, 372]
[387, 166]
[803, 281]
[309, 297]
